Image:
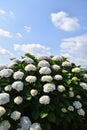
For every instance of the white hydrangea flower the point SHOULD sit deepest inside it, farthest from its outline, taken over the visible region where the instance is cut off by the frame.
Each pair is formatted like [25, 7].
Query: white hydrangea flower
[5, 125]
[18, 85]
[77, 104]
[85, 76]
[58, 77]
[60, 88]
[8, 88]
[18, 75]
[83, 85]
[33, 92]
[18, 100]
[43, 63]
[78, 96]
[81, 112]
[45, 70]
[56, 67]
[74, 78]
[35, 126]
[2, 111]
[70, 108]
[25, 123]
[6, 73]
[28, 60]
[11, 64]
[49, 87]
[30, 67]
[15, 115]
[31, 79]
[2, 67]
[57, 58]
[4, 98]
[46, 78]
[44, 99]
[43, 58]
[71, 94]
[76, 70]
[66, 63]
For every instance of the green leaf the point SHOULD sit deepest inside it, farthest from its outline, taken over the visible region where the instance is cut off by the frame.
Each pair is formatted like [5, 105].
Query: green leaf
[51, 117]
[43, 114]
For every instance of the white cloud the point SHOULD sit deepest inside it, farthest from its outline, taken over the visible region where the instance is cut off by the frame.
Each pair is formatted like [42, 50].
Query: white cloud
[27, 28]
[5, 52]
[2, 11]
[64, 22]
[35, 49]
[5, 33]
[19, 35]
[75, 48]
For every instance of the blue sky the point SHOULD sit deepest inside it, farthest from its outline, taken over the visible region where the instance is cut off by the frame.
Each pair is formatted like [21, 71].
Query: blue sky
[44, 27]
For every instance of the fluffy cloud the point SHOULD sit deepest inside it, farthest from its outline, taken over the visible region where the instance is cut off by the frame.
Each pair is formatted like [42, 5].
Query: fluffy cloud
[19, 35]
[4, 52]
[75, 48]
[2, 11]
[5, 33]
[35, 49]
[27, 28]
[64, 22]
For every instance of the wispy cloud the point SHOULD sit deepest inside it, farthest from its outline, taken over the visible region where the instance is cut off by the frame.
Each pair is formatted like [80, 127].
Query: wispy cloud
[75, 48]
[5, 52]
[5, 33]
[19, 35]
[27, 28]
[36, 49]
[2, 11]
[63, 21]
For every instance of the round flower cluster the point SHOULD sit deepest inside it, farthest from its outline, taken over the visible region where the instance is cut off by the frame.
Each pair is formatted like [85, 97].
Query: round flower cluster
[37, 88]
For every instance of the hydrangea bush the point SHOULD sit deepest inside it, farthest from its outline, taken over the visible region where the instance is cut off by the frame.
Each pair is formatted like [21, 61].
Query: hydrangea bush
[45, 93]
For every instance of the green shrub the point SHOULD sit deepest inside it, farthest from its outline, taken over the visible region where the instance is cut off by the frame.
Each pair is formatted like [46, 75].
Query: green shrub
[42, 93]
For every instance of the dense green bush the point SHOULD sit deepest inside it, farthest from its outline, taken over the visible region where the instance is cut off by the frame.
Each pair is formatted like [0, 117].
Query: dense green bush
[45, 93]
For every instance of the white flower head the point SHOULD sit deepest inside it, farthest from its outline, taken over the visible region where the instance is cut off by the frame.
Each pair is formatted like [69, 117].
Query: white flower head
[15, 115]
[43, 58]
[78, 96]
[2, 111]
[2, 67]
[18, 75]
[5, 125]
[35, 126]
[76, 70]
[71, 94]
[4, 98]
[25, 123]
[85, 76]
[70, 108]
[43, 63]
[44, 100]
[57, 58]
[6, 73]
[46, 78]
[8, 88]
[49, 87]
[60, 88]
[77, 104]
[28, 60]
[33, 92]
[45, 70]
[31, 79]
[66, 64]
[30, 67]
[11, 64]
[58, 77]
[18, 100]
[83, 85]
[18, 85]
[81, 112]
[56, 67]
